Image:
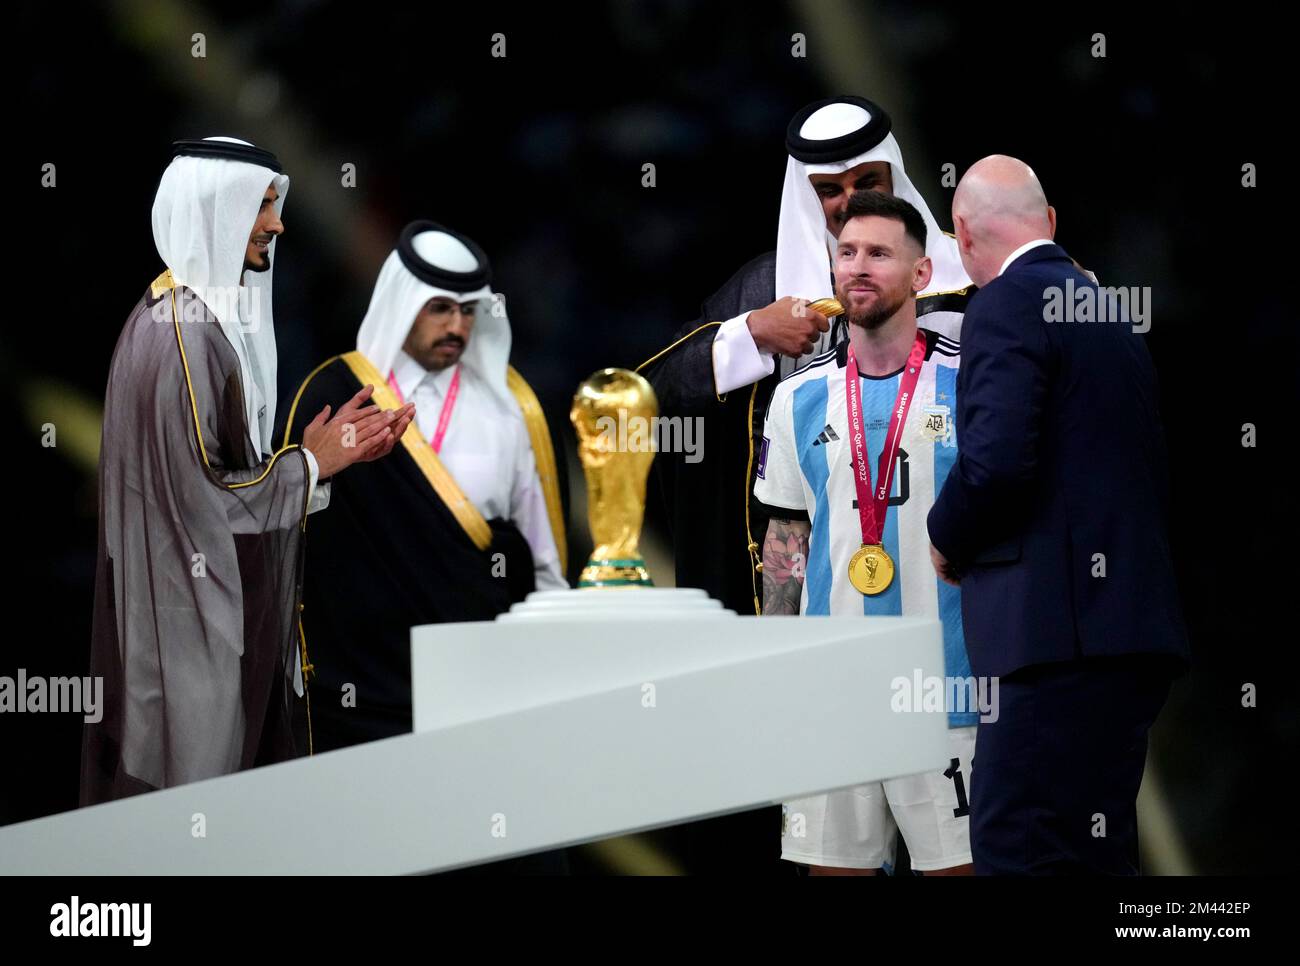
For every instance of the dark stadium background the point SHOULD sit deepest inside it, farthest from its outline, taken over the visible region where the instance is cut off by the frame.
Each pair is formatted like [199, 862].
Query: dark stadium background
[538, 156]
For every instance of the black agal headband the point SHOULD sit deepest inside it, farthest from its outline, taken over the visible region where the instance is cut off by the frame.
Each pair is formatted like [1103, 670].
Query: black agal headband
[434, 275]
[812, 151]
[227, 151]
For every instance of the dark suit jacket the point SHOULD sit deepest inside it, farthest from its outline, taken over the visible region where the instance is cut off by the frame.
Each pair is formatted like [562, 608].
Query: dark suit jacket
[1062, 458]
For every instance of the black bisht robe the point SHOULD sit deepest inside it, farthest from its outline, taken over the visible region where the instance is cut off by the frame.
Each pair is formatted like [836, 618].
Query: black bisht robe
[200, 550]
[706, 505]
[706, 501]
[386, 555]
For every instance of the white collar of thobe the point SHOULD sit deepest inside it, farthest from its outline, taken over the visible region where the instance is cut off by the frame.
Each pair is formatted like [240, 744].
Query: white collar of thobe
[411, 375]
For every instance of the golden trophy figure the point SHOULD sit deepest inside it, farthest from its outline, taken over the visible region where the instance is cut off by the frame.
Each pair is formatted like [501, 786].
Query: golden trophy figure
[613, 413]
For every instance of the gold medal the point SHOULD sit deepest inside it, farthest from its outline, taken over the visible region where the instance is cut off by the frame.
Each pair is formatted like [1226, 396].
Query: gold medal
[827, 307]
[871, 570]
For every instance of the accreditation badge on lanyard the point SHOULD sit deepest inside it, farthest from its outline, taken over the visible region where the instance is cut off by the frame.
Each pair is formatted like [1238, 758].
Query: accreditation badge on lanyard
[871, 570]
[447, 406]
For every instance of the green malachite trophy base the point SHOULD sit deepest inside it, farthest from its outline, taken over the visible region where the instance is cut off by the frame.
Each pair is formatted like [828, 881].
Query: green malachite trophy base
[629, 572]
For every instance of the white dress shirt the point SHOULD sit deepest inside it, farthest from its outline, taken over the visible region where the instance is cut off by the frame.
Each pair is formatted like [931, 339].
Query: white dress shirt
[1021, 250]
[490, 457]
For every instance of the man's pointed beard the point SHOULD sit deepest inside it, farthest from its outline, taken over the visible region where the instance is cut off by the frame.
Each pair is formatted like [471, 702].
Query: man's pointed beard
[264, 267]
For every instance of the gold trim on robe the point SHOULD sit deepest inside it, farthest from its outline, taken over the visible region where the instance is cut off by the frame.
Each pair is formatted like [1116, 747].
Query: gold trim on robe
[444, 485]
[166, 283]
[721, 397]
[539, 436]
[448, 490]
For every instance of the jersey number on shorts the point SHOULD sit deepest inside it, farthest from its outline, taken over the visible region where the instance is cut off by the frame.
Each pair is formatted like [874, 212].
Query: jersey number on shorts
[954, 772]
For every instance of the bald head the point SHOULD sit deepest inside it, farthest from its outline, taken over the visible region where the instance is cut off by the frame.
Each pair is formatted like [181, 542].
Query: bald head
[998, 206]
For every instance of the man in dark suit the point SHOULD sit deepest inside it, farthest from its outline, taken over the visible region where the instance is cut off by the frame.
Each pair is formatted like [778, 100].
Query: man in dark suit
[1053, 520]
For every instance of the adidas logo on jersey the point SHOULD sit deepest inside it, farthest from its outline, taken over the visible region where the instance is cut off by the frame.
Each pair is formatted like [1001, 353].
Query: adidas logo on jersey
[825, 436]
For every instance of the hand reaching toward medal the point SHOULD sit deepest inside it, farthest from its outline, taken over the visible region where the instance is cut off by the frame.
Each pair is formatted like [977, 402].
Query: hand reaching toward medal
[788, 327]
[356, 434]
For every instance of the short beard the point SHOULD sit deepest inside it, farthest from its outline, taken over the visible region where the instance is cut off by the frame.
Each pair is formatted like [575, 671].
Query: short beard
[877, 316]
[264, 267]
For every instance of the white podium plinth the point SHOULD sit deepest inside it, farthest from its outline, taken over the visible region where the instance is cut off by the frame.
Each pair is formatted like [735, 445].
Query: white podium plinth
[579, 715]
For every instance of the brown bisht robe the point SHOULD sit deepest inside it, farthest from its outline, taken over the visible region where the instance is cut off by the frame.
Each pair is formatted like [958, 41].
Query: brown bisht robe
[200, 556]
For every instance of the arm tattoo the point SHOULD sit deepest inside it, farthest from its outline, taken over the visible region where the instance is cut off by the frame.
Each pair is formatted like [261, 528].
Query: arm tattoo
[785, 553]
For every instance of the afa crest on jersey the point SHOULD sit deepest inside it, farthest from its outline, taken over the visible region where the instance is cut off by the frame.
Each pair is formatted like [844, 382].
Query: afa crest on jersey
[936, 424]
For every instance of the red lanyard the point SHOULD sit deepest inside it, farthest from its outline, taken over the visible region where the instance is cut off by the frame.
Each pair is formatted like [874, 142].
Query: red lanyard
[872, 507]
[445, 417]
